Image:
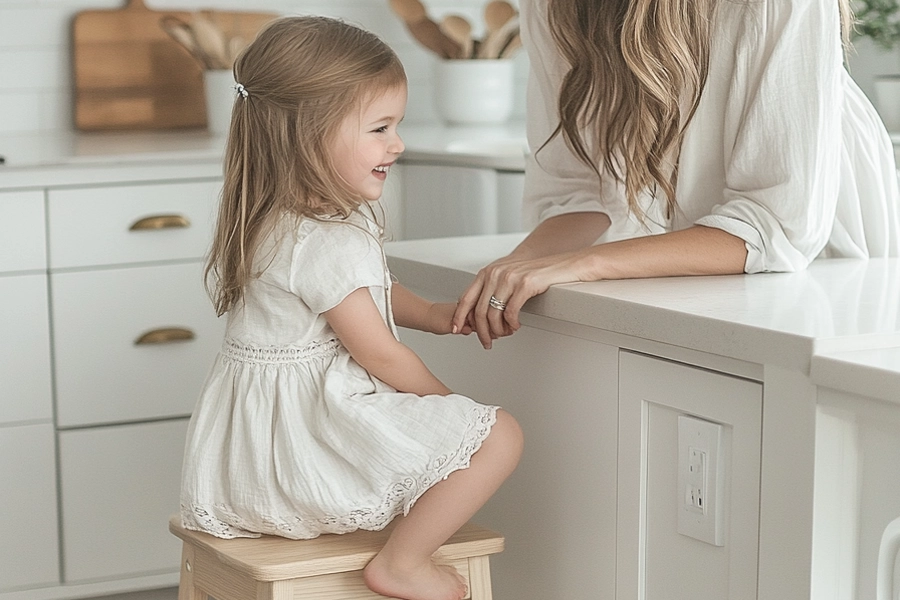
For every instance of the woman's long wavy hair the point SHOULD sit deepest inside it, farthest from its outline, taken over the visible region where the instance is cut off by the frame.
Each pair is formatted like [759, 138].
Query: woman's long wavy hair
[637, 71]
[302, 76]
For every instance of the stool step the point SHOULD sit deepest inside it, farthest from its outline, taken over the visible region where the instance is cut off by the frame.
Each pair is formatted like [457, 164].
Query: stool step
[273, 558]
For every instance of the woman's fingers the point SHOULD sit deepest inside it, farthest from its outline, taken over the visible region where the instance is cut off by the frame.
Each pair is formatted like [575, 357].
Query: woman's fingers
[466, 303]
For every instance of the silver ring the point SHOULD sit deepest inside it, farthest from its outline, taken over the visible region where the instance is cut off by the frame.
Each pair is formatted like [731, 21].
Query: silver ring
[498, 304]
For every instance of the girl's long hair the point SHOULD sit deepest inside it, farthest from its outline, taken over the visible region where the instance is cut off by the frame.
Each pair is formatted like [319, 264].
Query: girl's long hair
[302, 76]
[637, 71]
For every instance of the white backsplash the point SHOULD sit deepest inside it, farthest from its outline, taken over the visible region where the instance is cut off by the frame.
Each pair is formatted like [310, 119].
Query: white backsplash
[35, 72]
[35, 51]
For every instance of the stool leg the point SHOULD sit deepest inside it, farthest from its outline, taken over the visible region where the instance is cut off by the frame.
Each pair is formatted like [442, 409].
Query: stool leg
[186, 588]
[274, 590]
[479, 578]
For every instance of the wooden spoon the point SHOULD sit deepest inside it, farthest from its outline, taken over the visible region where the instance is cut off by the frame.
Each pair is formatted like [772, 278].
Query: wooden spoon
[211, 40]
[181, 32]
[496, 13]
[497, 40]
[512, 46]
[459, 30]
[424, 30]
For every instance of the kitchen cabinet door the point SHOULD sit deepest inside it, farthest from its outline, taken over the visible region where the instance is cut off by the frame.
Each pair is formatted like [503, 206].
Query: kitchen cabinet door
[447, 201]
[130, 224]
[22, 240]
[29, 552]
[103, 374]
[558, 509]
[856, 517]
[25, 386]
[119, 486]
[653, 556]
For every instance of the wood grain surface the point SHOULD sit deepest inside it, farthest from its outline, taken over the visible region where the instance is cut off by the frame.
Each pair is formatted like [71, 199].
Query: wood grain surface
[128, 74]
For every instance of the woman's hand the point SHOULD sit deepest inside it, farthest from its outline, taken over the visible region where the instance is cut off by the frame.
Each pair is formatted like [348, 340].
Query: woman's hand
[514, 281]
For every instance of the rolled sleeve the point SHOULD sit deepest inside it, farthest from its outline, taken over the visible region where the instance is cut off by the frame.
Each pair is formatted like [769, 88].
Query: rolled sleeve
[782, 159]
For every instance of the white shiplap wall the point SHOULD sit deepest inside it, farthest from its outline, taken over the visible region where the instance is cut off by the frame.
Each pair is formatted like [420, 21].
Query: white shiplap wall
[35, 42]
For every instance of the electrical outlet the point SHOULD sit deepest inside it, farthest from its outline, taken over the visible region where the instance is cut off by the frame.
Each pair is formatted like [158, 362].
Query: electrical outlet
[695, 488]
[701, 480]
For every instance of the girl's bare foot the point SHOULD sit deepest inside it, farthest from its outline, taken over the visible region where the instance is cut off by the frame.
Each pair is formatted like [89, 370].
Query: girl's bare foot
[424, 582]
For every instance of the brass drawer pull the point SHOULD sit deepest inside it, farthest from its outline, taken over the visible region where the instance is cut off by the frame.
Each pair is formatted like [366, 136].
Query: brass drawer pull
[160, 222]
[165, 335]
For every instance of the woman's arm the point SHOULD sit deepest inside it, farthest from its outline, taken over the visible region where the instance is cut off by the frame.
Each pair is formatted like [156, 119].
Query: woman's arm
[359, 326]
[693, 251]
[562, 233]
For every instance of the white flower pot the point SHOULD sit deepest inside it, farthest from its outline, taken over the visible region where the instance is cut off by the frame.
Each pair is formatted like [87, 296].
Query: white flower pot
[474, 91]
[220, 95]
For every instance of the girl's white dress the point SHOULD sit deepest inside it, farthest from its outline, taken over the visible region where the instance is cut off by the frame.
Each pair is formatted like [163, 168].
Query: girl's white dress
[291, 436]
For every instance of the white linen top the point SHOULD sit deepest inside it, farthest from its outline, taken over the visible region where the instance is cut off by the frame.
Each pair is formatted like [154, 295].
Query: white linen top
[784, 151]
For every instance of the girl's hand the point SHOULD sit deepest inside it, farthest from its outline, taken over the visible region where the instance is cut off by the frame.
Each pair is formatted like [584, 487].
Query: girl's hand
[514, 282]
[439, 319]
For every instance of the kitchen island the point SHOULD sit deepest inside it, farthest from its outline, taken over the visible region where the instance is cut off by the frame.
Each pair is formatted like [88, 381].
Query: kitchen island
[787, 368]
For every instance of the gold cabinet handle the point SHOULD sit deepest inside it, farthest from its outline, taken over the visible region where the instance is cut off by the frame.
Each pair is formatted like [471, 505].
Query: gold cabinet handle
[160, 222]
[165, 335]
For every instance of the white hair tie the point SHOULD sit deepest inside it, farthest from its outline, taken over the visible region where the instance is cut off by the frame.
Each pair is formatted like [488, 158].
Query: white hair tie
[242, 90]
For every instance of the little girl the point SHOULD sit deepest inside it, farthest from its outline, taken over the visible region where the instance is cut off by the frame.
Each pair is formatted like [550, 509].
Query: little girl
[315, 418]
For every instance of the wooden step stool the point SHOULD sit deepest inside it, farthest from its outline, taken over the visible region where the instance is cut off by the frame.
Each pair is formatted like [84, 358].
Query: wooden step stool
[326, 568]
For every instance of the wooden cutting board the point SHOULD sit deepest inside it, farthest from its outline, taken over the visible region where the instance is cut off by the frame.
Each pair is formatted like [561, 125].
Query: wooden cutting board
[128, 74]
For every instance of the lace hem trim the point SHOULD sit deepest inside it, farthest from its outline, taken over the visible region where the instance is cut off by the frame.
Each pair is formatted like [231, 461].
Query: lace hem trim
[222, 520]
[278, 354]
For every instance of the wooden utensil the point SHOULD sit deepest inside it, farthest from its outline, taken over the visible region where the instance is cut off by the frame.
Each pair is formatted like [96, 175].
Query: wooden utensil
[497, 13]
[512, 46]
[497, 40]
[424, 30]
[459, 30]
[129, 74]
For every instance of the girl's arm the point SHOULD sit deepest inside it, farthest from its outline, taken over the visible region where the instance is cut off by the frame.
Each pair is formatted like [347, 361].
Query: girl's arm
[415, 312]
[359, 326]
[693, 251]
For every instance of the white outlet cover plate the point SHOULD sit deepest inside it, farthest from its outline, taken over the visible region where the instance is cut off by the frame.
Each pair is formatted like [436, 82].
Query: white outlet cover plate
[706, 525]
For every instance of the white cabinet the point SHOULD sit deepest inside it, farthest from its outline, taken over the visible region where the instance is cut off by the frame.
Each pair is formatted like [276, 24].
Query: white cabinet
[22, 239]
[655, 561]
[134, 335]
[107, 336]
[29, 551]
[28, 516]
[120, 484]
[857, 496]
[25, 386]
[558, 509]
[130, 224]
[590, 511]
[445, 201]
[131, 343]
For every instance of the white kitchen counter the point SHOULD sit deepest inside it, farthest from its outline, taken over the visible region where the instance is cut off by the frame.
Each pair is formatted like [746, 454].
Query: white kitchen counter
[873, 373]
[782, 319]
[600, 375]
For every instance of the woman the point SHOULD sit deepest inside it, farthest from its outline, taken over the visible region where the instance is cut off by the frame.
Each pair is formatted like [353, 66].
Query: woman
[689, 137]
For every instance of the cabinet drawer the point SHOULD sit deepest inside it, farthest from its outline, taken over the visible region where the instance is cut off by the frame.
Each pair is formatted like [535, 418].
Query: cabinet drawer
[119, 486]
[25, 386]
[102, 375]
[22, 240]
[29, 555]
[129, 224]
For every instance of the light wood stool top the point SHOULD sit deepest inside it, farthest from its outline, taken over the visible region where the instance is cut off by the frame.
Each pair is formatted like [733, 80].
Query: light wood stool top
[328, 567]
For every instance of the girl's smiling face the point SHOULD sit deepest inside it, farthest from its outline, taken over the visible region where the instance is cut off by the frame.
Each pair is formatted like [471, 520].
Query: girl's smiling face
[367, 142]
